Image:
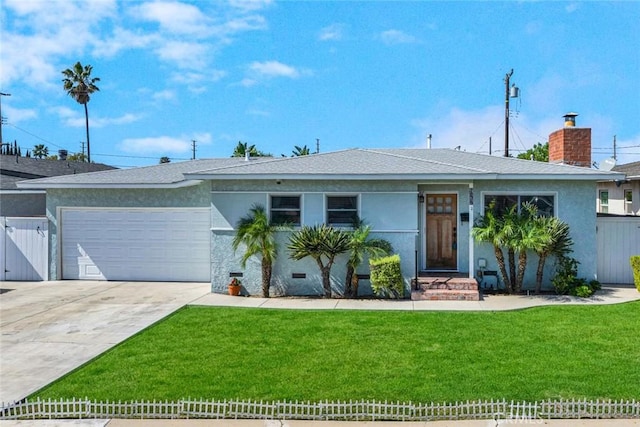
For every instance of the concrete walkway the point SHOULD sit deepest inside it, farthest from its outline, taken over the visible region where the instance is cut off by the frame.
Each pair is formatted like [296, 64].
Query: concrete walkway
[608, 295]
[50, 328]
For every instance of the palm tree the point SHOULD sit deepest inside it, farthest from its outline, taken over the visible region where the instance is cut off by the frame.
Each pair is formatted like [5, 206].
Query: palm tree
[322, 243]
[40, 151]
[360, 245]
[300, 151]
[559, 244]
[79, 85]
[528, 236]
[489, 229]
[258, 235]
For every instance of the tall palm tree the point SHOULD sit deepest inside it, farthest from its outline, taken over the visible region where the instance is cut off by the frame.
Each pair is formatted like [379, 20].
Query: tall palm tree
[79, 85]
[360, 245]
[258, 235]
[322, 243]
[559, 244]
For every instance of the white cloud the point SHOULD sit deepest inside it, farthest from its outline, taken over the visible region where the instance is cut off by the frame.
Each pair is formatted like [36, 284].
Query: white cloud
[164, 144]
[250, 5]
[16, 115]
[572, 7]
[332, 32]
[164, 95]
[273, 69]
[75, 118]
[174, 17]
[391, 37]
[186, 55]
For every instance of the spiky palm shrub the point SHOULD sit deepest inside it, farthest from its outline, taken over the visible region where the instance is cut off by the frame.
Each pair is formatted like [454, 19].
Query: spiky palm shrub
[360, 246]
[489, 229]
[323, 244]
[257, 234]
[559, 244]
[528, 236]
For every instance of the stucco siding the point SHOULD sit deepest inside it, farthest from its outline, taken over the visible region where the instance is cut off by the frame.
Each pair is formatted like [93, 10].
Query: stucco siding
[22, 204]
[225, 262]
[392, 216]
[196, 196]
[574, 205]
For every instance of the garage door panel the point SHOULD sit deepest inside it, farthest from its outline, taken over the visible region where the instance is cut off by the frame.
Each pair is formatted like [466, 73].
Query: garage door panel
[136, 244]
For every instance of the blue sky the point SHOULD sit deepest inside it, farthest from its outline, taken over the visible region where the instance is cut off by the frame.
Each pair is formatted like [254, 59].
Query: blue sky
[352, 74]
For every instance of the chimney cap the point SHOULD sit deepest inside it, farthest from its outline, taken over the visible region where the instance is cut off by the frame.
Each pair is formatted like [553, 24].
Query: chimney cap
[570, 119]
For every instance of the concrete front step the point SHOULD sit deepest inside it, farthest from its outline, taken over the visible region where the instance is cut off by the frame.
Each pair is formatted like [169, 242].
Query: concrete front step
[445, 289]
[445, 295]
[457, 283]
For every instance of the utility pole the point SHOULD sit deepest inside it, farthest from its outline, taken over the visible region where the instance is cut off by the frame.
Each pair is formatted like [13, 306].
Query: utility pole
[614, 148]
[193, 149]
[1, 117]
[82, 145]
[317, 145]
[506, 113]
[489, 145]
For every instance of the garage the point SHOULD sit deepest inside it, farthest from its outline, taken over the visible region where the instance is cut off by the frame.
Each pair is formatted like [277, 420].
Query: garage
[131, 244]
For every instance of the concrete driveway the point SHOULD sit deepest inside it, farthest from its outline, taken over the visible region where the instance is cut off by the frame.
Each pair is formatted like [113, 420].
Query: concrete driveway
[50, 328]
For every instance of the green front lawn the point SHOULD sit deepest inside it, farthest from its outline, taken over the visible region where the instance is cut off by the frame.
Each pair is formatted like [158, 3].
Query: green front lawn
[210, 352]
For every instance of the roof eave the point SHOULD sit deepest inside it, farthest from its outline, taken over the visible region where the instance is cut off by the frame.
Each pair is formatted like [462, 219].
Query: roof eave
[172, 185]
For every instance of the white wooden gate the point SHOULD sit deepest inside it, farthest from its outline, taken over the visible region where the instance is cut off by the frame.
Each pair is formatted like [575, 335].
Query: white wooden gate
[618, 239]
[24, 249]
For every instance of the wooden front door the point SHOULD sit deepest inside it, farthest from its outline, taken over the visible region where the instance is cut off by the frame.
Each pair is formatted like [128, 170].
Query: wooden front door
[442, 231]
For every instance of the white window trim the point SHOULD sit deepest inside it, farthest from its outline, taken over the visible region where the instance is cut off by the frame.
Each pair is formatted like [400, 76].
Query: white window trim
[325, 206]
[483, 194]
[292, 194]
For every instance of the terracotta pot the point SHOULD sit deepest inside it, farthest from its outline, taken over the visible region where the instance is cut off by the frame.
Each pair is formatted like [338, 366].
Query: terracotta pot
[234, 290]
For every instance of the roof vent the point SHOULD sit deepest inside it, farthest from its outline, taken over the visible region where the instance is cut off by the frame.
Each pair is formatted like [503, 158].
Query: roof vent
[570, 120]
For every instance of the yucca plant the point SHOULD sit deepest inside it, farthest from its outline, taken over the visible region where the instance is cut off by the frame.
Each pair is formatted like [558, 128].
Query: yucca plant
[322, 243]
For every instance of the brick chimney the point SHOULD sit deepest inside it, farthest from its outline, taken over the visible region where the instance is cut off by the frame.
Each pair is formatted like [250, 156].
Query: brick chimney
[570, 145]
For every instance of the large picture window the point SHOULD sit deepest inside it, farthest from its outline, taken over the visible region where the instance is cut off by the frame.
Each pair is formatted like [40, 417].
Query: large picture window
[342, 210]
[503, 202]
[285, 210]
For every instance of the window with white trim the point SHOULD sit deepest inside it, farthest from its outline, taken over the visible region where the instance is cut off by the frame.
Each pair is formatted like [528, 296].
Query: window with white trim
[628, 201]
[285, 210]
[604, 201]
[342, 210]
[503, 202]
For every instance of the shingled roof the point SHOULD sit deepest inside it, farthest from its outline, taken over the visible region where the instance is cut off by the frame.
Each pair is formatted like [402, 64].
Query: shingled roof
[632, 170]
[352, 164]
[15, 169]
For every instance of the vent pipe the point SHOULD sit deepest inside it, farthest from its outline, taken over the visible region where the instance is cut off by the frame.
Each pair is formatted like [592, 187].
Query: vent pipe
[429, 142]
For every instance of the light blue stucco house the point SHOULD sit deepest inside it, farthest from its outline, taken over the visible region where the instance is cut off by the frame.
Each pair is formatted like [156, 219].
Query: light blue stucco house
[176, 221]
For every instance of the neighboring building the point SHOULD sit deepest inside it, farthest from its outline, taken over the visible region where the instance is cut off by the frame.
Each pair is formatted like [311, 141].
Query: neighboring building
[176, 221]
[15, 202]
[622, 196]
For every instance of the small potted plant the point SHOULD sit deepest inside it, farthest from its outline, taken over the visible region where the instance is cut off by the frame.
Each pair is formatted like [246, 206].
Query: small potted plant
[234, 286]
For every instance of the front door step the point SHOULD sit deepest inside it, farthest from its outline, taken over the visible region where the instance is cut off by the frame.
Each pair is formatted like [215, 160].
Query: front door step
[445, 289]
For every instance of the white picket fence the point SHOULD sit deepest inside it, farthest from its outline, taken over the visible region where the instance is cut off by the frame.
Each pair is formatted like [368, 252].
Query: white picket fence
[324, 410]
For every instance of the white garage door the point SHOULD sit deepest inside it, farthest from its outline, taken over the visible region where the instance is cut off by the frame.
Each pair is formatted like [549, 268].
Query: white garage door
[135, 244]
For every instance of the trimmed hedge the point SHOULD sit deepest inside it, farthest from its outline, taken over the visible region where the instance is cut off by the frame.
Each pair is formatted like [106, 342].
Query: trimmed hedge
[386, 277]
[635, 266]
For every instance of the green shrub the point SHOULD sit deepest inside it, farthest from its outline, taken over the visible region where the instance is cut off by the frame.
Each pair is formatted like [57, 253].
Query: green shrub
[583, 291]
[635, 266]
[567, 282]
[386, 277]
